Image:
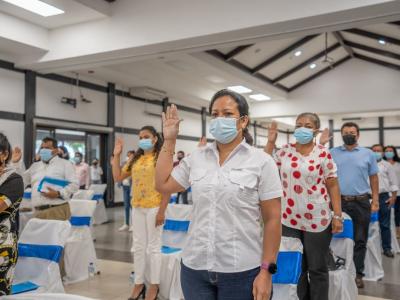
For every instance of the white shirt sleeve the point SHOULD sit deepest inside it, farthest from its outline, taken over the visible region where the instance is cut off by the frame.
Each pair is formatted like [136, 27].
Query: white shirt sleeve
[73, 187]
[21, 170]
[270, 185]
[392, 179]
[181, 173]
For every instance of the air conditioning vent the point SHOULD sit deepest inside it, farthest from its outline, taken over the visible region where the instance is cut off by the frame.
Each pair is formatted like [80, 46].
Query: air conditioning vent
[147, 93]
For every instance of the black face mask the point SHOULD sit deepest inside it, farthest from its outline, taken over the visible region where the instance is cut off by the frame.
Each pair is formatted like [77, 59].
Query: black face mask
[349, 139]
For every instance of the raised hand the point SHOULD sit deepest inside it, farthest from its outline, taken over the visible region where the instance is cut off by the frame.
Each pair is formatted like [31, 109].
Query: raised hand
[273, 132]
[202, 142]
[325, 137]
[171, 123]
[16, 155]
[119, 146]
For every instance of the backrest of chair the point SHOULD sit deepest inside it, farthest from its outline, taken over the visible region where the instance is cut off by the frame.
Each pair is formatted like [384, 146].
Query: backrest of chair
[99, 190]
[26, 202]
[177, 223]
[83, 194]
[289, 261]
[81, 212]
[45, 232]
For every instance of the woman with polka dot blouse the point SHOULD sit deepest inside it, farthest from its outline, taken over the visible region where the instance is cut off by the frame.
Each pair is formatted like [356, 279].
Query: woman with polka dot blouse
[311, 206]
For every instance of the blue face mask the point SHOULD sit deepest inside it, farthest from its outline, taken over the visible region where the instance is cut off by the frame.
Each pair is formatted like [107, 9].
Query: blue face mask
[45, 154]
[224, 129]
[77, 160]
[389, 155]
[303, 135]
[146, 144]
[378, 155]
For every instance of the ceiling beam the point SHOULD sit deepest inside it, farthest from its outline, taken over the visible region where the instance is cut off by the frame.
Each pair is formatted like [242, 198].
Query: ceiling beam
[316, 75]
[230, 55]
[304, 64]
[373, 50]
[282, 53]
[378, 62]
[243, 68]
[338, 36]
[375, 36]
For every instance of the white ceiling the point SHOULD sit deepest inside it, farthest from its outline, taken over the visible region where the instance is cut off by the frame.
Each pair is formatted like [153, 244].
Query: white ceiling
[76, 11]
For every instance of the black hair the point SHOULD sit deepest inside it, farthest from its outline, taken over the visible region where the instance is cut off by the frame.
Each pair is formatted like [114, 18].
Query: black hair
[376, 145]
[350, 124]
[79, 154]
[243, 108]
[156, 150]
[66, 153]
[396, 156]
[131, 152]
[5, 146]
[53, 141]
[181, 152]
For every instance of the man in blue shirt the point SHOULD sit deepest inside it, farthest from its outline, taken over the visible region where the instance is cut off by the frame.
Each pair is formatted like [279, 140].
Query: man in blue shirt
[358, 179]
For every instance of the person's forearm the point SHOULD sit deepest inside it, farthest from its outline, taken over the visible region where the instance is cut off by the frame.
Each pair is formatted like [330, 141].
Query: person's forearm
[165, 164]
[269, 147]
[374, 182]
[334, 193]
[164, 203]
[394, 194]
[271, 239]
[116, 168]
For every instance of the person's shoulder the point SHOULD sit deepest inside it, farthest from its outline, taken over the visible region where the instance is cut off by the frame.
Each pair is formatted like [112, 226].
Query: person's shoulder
[261, 155]
[366, 150]
[15, 178]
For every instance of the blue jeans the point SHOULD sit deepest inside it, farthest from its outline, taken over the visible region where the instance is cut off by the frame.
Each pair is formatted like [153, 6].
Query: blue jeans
[397, 212]
[127, 202]
[205, 285]
[384, 221]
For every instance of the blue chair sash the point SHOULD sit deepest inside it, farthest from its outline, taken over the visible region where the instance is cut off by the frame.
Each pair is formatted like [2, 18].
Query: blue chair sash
[97, 197]
[374, 217]
[23, 287]
[347, 230]
[27, 195]
[176, 225]
[54, 181]
[169, 250]
[80, 221]
[48, 252]
[289, 267]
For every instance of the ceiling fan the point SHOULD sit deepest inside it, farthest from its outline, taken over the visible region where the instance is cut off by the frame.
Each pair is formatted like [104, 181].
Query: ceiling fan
[329, 61]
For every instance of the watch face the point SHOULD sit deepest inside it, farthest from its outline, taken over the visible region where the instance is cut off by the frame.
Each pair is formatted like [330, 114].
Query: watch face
[272, 268]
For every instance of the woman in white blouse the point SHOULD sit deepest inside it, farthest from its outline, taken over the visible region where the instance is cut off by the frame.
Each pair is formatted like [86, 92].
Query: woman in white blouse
[233, 186]
[392, 157]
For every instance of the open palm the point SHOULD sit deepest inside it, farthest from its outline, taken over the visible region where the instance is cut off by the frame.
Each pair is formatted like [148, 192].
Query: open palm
[16, 155]
[119, 146]
[171, 123]
[273, 132]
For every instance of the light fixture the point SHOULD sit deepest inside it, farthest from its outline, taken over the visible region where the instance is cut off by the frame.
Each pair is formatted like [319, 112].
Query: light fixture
[37, 7]
[313, 66]
[239, 89]
[259, 97]
[298, 53]
[382, 41]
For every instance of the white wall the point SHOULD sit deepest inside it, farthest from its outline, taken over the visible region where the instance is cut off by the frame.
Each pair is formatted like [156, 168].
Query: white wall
[14, 130]
[48, 103]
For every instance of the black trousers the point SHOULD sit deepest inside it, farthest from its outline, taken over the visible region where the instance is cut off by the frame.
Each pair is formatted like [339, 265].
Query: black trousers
[314, 279]
[360, 213]
[184, 196]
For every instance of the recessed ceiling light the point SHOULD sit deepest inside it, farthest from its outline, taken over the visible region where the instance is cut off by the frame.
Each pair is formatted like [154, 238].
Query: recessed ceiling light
[260, 97]
[313, 66]
[240, 89]
[298, 53]
[37, 7]
[382, 42]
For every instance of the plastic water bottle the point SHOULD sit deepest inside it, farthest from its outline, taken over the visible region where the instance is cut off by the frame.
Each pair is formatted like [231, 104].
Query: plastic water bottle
[132, 278]
[91, 270]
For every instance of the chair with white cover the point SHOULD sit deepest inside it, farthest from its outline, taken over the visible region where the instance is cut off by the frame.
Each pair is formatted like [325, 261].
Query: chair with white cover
[84, 195]
[26, 211]
[289, 269]
[50, 296]
[100, 214]
[373, 259]
[40, 249]
[79, 249]
[395, 243]
[342, 284]
[177, 221]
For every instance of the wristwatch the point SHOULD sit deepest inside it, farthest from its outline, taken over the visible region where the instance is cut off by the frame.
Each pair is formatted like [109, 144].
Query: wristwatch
[340, 218]
[272, 268]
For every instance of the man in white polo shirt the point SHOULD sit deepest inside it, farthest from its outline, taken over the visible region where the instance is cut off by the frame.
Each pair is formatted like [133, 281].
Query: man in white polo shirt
[49, 202]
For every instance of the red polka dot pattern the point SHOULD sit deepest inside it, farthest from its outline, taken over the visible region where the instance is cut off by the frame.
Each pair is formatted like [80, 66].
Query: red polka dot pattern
[298, 216]
[290, 202]
[308, 216]
[324, 222]
[310, 206]
[289, 211]
[314, 226]
[284, 216]
[294, 165]
[298, 189]
[293, 222]
[296, 174]
[311, 168]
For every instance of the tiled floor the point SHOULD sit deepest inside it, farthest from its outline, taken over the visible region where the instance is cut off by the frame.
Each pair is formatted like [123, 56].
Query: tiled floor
[115, 259]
